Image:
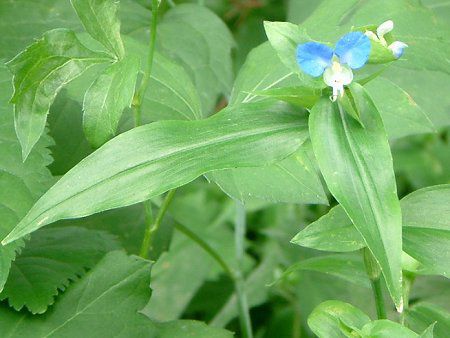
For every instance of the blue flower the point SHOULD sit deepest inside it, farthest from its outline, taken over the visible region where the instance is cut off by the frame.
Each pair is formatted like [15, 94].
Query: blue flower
[397, 47]
[351, 52]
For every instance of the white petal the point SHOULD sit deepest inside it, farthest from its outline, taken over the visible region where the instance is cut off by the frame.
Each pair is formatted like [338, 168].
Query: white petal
[397, 48]
[371, 35]
[385, 28]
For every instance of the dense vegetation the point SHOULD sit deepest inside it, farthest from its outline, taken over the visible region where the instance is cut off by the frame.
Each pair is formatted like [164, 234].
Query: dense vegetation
[257, 168]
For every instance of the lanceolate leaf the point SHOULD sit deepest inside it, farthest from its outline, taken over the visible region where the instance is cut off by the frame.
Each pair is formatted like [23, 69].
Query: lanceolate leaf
[357, 165]
[50, 260]
[106, 99]
[100, 19]
[40, 72]
[152, 159]
[21, 184]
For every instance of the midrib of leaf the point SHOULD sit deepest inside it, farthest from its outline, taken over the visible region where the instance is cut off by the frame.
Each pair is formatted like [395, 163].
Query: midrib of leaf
[280, 165]
[216, 141]
[88, 305]
[249, 96]
[361, 165]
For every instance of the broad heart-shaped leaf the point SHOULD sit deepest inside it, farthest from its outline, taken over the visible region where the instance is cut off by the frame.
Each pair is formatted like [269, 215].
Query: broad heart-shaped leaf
[104, 303]
[106, 99]
[40, 71]
[196, 38]
[420, 316]
[426, 230]
[99, 18]
[50, 260]
[284, 38]
[401, 114]
[155, 158]
[21, 183]
[336, 319]
[356, 163]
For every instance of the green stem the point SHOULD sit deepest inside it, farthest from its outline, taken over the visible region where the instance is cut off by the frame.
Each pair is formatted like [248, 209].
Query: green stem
[153, 227]
[374, 274]
[244, 314]
[205, 246]
[379, 300]
[137, 102]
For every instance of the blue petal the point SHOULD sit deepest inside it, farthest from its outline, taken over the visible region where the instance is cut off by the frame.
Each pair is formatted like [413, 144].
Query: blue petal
[353, 49]
[314, 57]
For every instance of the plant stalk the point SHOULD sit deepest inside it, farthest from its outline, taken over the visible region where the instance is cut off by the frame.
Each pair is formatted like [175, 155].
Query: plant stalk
[153, 227]
[244, 314]
[374, 274]
[139, 96]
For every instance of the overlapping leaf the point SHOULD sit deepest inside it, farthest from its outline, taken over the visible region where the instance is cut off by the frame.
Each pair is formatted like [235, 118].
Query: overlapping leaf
[21, 183]
[48, 263]
[356, 163]
[40, 72]
[152, 159]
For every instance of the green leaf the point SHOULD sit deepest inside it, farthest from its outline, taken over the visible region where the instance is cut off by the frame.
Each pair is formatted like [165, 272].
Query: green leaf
[21, 183]
[40, 71]
[263, 70]
[356, 163]
[106, 99]
[165, 155]
[284, 38]
[292, 180]
[387, 329]
[348, 267]
[172, 94]
[298, 96]
[48, 263]
[196, 38]
[426, 229]
[420, 316]
[99, 18]
[428, 332]
[401, 114]
[95, 307]
[332, 232]
[191, 329]
[326, 320]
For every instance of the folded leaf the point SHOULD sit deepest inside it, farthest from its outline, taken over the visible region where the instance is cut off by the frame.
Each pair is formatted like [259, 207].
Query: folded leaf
[100, 19]
[154, 158]
[356, 163]
[106, 99]
[40, 71]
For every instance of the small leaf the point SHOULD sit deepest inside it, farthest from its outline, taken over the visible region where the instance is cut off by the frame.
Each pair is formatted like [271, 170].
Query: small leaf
[332, 232]
[387, 329]
[420, 316]
[40, 71]
[155, 158]
[326, 320]
[48, 263]
[356, 163]
[100, 19]
[106, 99]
